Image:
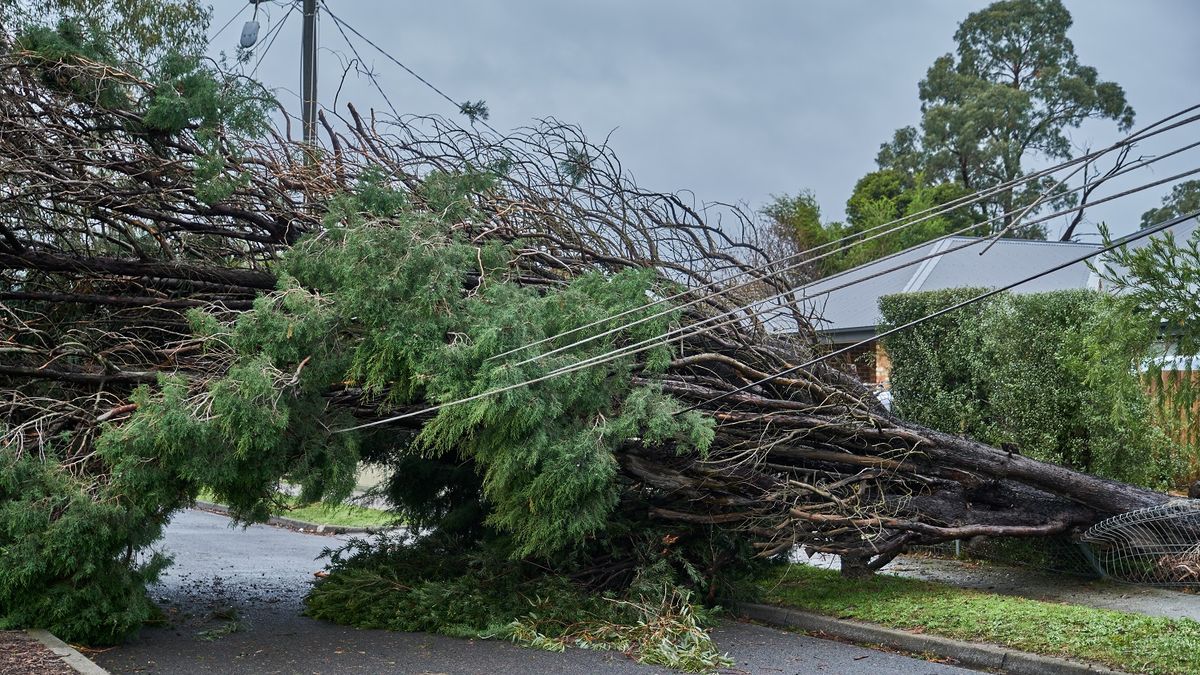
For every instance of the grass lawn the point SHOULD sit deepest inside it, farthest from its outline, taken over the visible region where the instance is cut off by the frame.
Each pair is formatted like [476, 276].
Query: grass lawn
[1131, 642]
[344, 515]
[322, 513]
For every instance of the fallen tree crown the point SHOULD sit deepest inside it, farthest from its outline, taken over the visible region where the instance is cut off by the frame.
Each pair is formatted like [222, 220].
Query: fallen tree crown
[131, 249]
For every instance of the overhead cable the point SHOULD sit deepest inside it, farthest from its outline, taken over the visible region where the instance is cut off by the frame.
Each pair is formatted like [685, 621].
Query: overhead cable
[893, 226]
[727, 289]
[686, 331]
[400, 63]
[613, 356]
[1123, 241]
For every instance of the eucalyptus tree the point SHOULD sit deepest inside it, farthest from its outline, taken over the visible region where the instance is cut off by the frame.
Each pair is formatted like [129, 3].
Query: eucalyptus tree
[1005, 98]
[136, 30]
[1183, 198]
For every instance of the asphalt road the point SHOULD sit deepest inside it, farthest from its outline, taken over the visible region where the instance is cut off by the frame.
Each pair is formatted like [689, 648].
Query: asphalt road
[255, 578]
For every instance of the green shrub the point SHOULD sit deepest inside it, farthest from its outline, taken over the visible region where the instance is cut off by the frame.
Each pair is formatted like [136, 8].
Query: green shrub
[1050, 375]
[67, 552]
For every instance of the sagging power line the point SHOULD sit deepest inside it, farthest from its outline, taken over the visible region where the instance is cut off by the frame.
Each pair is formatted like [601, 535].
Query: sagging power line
[1142, 135]
[873, 233]
[476, 112]
[1123, 241]
[616, 354]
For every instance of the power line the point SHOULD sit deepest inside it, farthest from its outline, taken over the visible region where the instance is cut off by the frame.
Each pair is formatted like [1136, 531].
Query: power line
[397, 61]
[228, 23]
[685, 332]
[895, 225]
[370, 75]
[618, 354]
[340, 24]
[728, 289]
[699, 327]
[272, 33]
[970, 301]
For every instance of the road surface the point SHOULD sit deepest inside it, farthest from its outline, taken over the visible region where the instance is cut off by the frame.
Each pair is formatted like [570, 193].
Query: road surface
[259, 576]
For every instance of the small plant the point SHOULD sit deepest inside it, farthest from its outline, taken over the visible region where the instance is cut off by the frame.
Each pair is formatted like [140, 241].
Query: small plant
[232, 623]
[474, 110]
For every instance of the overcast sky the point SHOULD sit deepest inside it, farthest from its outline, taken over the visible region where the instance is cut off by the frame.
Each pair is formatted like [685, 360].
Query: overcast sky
[733, 100]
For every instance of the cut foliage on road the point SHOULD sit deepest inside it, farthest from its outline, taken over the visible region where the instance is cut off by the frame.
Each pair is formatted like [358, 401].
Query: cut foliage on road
[401, 585]
[1131, 642]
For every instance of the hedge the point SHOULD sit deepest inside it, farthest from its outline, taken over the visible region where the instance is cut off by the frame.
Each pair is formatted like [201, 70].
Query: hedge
[1050, 375]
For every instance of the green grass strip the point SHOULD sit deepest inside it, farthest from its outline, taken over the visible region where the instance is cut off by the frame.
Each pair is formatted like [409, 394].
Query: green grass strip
[340, 515]
[1131, 642]
[330, 515]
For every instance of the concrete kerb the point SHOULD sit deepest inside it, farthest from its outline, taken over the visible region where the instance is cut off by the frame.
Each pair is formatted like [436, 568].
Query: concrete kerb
[66, 652]
[970, 654]
[294, 524]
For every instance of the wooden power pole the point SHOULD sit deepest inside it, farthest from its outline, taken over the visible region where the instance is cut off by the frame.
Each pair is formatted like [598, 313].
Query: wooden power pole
[308, 71]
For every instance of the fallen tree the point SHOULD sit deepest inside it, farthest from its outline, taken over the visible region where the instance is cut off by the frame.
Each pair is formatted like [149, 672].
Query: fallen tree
[192, 300]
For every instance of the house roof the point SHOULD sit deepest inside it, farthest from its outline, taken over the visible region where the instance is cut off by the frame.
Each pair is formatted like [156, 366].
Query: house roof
[851, 312]
[845, 307]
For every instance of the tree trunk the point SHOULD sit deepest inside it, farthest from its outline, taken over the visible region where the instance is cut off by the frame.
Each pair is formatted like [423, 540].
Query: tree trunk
[105, 247]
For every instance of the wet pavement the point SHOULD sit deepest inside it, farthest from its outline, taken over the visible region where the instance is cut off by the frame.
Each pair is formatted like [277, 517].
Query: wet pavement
[234, 597]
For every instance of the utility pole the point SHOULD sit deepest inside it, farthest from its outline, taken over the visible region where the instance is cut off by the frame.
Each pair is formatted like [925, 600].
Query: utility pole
[308, 72]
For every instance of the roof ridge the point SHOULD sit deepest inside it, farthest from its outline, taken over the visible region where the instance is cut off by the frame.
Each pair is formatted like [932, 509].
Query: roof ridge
[1032, 242]
[917, 280]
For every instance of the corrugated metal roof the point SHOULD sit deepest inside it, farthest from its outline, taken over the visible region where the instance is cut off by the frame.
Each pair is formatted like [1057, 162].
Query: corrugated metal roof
[855, 308]
[846, 306]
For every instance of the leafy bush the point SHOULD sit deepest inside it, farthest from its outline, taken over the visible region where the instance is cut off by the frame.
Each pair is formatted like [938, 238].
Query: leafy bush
[1157, 283]
[67, 551]
[1051, 375]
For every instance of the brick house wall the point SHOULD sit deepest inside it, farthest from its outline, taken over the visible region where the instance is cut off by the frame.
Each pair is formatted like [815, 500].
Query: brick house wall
[869, 363]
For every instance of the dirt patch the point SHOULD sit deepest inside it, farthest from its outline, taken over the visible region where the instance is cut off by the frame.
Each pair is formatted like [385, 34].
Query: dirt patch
[23, 655]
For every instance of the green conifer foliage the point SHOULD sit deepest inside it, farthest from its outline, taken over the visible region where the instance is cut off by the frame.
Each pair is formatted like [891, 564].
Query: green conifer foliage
[388, 301]
[67, 548]
[77, 517]
[411, 312]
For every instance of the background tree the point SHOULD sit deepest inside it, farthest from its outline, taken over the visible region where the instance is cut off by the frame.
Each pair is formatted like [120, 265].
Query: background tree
[1004, 99]
[1184, 198]
[136, 30]
[896, 196]
[880, 199]
[794, 227]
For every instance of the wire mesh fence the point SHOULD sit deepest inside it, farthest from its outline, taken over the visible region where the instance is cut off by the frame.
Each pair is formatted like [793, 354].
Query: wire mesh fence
[1159, 545]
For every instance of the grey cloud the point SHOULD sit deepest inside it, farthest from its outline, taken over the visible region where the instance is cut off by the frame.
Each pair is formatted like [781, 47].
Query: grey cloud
[733, 100]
